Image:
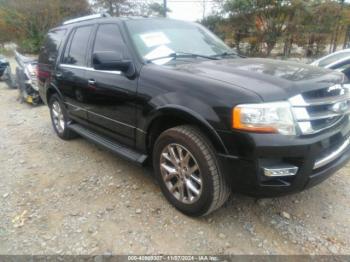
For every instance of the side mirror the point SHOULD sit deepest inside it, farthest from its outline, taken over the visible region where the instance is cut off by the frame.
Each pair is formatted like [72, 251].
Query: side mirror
[112, 61]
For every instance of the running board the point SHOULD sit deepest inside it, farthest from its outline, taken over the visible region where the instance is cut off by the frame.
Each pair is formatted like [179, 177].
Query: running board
[119, 149]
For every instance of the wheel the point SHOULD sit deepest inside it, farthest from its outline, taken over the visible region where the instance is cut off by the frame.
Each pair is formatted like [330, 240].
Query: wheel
[188, 172]
[37, 101]
[60, 118]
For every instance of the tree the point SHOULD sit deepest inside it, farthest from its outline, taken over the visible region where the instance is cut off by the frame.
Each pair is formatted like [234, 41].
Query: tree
[5, 31]
[317, 26]
[156, 9]
[261, 25]
[115, 7]
[129, 7]
[265, 18]
[345, 24]
[28, 21]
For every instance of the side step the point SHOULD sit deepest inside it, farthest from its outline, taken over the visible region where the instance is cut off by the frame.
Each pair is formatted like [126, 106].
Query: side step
[113, 146]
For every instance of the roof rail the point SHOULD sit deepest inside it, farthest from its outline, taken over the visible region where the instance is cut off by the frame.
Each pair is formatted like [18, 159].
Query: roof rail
[84, 18]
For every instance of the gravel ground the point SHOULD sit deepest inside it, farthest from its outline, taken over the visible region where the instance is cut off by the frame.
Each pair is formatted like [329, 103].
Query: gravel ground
[61, 197]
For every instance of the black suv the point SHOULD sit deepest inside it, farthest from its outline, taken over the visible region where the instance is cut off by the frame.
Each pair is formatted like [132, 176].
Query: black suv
[171, 93]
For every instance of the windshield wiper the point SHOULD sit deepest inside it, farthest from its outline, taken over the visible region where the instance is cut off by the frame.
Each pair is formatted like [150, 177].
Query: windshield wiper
[224, 54]
[182, 55]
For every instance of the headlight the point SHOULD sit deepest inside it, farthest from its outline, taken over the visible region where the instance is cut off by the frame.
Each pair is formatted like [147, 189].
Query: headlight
[274, 117]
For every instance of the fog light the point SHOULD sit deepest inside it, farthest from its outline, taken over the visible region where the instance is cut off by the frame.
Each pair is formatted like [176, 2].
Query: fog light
[281, 171]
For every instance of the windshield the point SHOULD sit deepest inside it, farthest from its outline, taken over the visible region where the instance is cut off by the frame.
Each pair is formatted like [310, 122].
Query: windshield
[158, 38]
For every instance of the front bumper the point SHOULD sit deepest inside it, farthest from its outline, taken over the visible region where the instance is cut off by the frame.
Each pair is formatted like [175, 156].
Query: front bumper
[316, 157]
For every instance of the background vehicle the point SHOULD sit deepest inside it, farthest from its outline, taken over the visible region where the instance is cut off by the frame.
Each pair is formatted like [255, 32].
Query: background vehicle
[3, 65]
[206, 118]
[339, 61]
[6, 74]
[26, 78]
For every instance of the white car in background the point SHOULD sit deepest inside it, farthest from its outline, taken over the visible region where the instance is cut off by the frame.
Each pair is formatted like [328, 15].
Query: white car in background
[339, 61]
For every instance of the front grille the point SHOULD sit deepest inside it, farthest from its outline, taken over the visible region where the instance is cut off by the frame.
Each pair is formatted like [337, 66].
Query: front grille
[320, 109]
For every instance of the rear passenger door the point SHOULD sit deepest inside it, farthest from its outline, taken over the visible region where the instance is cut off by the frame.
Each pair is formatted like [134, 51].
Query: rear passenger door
[71, 72]
[112, 107]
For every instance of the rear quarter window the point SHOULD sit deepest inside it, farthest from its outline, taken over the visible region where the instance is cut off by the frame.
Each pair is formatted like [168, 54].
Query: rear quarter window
[51, 46]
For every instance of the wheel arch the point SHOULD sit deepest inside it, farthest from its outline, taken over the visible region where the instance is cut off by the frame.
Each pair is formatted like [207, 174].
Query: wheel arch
[170, 116]
[51, 90]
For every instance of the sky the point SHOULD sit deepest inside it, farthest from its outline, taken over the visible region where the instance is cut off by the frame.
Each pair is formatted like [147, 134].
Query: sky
[190, 10]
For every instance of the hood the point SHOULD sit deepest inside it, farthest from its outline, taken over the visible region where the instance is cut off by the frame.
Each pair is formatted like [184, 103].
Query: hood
[270, 79]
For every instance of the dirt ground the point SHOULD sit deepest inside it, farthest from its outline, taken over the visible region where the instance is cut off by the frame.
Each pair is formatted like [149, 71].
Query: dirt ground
[61, 197]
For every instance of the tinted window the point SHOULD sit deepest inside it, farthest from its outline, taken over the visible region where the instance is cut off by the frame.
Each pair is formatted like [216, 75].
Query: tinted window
[333, 58]
[76, 48]
[108, 38]
[343, 67]
[52, 43]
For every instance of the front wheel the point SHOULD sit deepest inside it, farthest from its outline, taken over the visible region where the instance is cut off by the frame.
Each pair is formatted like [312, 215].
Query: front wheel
[188, 172]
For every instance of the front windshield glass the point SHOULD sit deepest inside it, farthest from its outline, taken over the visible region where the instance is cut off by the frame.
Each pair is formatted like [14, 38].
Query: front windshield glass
[156, 38]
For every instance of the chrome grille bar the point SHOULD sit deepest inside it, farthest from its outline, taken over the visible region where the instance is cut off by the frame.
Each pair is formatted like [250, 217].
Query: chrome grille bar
[299, 100]
[305, 116]
[327, 100]
[333, 155]
[315, 114]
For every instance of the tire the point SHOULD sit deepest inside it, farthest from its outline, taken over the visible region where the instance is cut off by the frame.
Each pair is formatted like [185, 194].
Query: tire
[194, 191]
[60, 119]
[37, 101]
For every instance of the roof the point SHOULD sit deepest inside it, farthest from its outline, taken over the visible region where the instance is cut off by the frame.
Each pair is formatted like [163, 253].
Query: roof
[100, 17]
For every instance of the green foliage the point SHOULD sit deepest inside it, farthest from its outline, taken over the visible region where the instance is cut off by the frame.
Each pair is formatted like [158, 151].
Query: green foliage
[215, 23]
[129, 7]
[27, 22]
[6, 52]
[255, 27]
[156, 9]
[30, 45]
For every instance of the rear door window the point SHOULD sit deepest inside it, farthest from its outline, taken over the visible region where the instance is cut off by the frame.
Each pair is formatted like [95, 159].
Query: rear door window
[75, 52]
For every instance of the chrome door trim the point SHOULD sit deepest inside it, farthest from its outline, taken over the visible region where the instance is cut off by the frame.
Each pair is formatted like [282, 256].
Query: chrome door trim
[116, 121]
[90, 69]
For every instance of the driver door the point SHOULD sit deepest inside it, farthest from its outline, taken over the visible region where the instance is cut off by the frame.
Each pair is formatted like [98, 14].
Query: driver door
[112, 94]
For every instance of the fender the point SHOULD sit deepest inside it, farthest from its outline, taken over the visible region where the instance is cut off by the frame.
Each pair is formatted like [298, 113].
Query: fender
[189, 115]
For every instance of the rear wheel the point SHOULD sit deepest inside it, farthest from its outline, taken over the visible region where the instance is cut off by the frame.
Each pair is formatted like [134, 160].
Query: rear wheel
[60, 119]
[188, 172]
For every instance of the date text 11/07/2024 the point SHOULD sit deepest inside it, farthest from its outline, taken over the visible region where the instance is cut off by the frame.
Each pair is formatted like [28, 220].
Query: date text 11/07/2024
[174, 258]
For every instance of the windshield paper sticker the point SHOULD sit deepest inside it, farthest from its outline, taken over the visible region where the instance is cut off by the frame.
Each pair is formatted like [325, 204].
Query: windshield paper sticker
[158, 52]
[155, 39]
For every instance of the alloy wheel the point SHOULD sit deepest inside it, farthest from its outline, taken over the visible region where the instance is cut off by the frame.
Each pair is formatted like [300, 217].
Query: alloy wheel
[57, 116]
[181, 173]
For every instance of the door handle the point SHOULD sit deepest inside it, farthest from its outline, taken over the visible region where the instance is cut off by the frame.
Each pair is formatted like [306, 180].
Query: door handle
[58, 74]
[91, 82]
